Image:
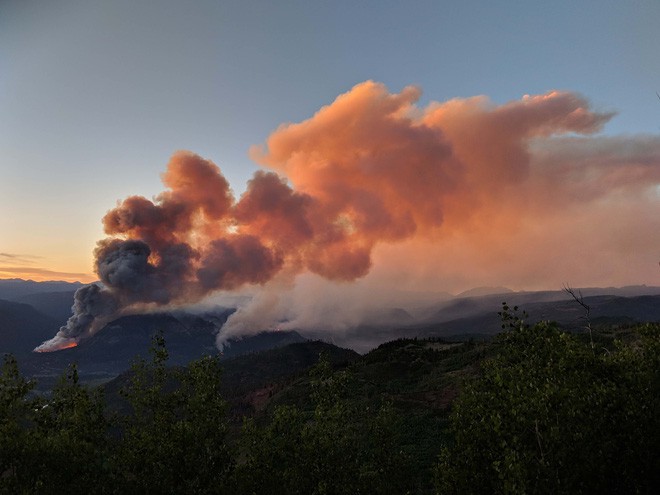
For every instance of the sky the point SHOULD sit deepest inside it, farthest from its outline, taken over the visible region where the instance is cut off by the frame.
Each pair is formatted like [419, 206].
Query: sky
[97, 96]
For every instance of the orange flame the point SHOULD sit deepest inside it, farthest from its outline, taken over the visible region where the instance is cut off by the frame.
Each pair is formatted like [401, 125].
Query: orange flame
[62, 346]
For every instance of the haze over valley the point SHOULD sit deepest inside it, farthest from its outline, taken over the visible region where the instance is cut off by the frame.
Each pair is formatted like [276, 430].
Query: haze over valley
[29, 317]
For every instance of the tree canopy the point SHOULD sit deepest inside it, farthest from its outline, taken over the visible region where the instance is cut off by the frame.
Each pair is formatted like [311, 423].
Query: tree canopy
[549, 415]
[546, 412]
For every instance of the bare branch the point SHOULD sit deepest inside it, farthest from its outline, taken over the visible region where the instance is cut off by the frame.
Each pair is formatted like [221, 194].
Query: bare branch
[538, 439]
[577, 297]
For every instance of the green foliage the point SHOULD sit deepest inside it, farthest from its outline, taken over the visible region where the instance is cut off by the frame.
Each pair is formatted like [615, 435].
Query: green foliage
[52, 444]
[417, 379]
[70, 441]
[174, 442]
[15, 408]
[549, 415]
[338, 449]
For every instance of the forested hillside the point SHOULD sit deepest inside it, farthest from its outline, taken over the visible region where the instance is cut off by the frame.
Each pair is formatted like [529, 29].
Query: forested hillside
[535, 410]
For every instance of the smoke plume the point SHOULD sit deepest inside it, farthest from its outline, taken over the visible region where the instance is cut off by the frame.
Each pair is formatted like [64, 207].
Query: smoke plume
[454, 191]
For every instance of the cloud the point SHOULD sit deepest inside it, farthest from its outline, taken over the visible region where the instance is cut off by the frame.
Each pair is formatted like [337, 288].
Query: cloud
[42, 274]
[18, 259]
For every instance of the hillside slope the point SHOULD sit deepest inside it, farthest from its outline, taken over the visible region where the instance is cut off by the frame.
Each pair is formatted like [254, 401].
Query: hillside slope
[22, 328]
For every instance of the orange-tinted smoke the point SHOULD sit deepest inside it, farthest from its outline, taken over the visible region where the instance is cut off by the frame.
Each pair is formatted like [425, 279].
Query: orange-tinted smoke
[383, 170]
[198, 195]
[368, 170]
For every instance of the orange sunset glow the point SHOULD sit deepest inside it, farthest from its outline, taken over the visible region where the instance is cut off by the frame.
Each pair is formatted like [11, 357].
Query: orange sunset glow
[43, 275]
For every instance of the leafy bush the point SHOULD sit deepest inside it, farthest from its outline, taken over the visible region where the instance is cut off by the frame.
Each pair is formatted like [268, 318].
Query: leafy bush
[174, 441]
[550, 415]
[50, 443]
[338, 450]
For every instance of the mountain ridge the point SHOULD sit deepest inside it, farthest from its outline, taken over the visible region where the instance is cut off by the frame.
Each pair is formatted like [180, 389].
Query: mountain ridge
[190, 333]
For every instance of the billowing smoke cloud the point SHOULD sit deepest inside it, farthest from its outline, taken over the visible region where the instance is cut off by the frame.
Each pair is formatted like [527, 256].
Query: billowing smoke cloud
[372, 182]
[92, 308]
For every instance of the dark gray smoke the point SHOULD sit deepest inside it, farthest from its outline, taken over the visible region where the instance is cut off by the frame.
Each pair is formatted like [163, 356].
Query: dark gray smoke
[93, 306]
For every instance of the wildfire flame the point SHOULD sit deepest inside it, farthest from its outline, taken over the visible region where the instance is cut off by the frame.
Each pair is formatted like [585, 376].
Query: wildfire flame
[58, 347]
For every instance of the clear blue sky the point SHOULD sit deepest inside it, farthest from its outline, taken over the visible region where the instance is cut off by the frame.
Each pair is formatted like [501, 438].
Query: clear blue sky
[95, 95]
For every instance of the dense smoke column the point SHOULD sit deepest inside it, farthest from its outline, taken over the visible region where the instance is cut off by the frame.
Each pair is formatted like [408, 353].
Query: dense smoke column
[184, 244]
[92, 306]
[370, 168]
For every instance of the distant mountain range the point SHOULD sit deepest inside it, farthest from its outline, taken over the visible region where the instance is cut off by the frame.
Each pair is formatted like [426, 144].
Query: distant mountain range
[484, 291]
[12, 289]
[31, 312]
[477, 316]
[21, 326]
